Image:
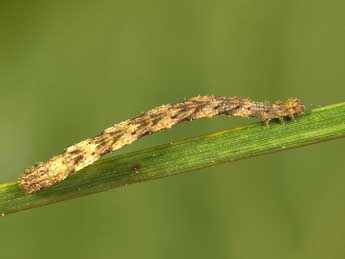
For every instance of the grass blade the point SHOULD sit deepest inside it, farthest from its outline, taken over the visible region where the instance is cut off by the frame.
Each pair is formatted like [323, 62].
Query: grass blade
[315, 126]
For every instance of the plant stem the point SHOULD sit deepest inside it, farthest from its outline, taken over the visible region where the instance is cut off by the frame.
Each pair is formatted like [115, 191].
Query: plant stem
[315, 126]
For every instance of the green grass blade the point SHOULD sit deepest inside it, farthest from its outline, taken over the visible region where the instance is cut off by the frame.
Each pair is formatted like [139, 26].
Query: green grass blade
[318, 125]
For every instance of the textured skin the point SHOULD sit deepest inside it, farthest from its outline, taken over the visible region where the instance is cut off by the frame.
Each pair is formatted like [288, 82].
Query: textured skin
[87, 152]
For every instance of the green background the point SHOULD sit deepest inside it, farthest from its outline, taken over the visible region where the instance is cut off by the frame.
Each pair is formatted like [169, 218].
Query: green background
[68, 69]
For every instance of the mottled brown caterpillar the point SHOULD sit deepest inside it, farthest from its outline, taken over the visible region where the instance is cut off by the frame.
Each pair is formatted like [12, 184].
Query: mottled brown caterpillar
[87, 152]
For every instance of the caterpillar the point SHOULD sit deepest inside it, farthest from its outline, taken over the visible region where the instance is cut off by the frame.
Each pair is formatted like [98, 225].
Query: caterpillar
[85, 153]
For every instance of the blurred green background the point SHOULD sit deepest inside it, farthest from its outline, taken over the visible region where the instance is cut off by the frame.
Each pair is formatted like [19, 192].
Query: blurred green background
[68, 69]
